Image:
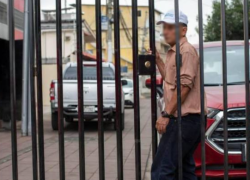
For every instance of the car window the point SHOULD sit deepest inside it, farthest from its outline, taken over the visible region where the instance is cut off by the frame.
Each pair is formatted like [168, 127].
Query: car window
[128, 85]
[213, 65]
[89, 73]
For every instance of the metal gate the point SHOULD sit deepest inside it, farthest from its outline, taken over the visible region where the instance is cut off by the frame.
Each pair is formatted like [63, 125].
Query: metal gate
[138, 69]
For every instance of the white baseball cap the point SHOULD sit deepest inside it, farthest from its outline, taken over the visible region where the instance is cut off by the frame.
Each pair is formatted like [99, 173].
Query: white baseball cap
[169, 18]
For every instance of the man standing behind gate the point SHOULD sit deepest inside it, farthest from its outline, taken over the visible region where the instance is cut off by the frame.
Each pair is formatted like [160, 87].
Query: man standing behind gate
[165, 165]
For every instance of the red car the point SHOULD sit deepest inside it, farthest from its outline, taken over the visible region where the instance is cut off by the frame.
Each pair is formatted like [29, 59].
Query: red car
[236, 110]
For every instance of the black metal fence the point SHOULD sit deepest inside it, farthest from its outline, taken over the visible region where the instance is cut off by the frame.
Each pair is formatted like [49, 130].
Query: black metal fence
[37, 113]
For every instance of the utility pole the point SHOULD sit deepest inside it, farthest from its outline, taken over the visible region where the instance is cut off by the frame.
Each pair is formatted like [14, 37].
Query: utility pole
[143, 51]
[109, 14]
[65, 6]
[145, 32]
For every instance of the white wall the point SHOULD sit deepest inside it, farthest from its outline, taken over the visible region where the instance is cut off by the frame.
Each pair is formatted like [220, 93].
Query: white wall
[3, 1]
[4, 27]
[49, 43]
[4, 31]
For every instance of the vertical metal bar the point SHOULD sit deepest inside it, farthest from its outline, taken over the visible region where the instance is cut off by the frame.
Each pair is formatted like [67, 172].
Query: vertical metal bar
[25, 72]
[60, 90]
[246, 46]
[39, 89]
[12, 88]
[29, 98]
[178, 68]
[224, 70]
[136, 90]
[153, 76]
[80, 89]
[118, 90]
[98, 14]
[202, 91]
[32, 91]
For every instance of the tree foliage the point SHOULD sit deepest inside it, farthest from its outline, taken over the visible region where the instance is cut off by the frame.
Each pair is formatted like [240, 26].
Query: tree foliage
[234, 22]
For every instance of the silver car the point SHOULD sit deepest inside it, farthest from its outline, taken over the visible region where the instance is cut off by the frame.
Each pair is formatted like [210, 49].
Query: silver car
[70, 100]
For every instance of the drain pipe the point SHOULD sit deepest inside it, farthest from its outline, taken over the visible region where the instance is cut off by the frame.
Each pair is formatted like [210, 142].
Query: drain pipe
[25, 78]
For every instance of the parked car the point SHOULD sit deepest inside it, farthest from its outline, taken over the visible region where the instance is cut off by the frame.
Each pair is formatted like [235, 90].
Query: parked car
[236, 110]
[70, 101]
[127, 86]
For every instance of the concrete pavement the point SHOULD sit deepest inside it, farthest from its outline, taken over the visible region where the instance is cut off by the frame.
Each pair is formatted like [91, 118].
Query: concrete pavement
[72, 151]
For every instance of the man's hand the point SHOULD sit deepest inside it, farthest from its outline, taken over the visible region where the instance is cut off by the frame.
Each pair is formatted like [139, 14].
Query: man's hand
[161, 124]
[157, 55]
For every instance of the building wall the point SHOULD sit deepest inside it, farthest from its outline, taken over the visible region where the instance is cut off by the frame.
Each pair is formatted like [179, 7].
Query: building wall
[126, 11]
[19, 19]
[49, 43]
[126, 46]
[126, 53]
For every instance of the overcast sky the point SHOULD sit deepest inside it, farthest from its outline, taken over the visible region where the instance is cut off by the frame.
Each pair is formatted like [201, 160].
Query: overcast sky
[189, 7]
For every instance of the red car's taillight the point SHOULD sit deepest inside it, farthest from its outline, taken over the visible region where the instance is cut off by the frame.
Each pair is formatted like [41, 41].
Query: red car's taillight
[159, 82]
[52, 91]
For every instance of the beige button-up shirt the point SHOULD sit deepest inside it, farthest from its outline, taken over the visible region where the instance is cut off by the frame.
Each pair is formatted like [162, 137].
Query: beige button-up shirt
[190, 76]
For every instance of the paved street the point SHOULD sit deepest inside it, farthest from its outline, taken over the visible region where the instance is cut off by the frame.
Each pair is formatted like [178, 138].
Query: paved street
[72, 153]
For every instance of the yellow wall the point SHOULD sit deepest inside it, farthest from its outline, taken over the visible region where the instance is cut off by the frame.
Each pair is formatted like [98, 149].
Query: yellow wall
[126, 46]
[126, 11]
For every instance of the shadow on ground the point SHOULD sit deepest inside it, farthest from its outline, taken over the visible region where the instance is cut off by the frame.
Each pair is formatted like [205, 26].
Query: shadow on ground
[91, 126]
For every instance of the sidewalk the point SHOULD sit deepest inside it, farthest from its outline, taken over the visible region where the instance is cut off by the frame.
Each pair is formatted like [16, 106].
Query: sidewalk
[72, 151]
[148, 168]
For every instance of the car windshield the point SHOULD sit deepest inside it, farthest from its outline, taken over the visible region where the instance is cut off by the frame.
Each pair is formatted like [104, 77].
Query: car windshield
[213, 65]
[89, 73]
[128, 85]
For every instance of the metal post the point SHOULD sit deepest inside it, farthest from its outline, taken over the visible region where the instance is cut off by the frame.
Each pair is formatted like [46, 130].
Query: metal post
[32, 90]
[224, 70]
[202, 91]
[145, 32]
[29, 103]
[98, 14]
[136, 90]
[178, 68]
[25, 71]
[80, 89]
[12, 88]
[60, 90]
[65, 6]
[118, 90]
[246, 45]
[153, 76]
[39, 89]
[109, 31]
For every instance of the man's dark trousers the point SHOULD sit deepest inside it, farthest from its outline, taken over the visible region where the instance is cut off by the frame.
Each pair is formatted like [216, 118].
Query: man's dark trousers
[165, 165]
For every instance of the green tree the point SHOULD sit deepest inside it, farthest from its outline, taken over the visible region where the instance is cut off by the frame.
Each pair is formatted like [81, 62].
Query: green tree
[234, 22]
